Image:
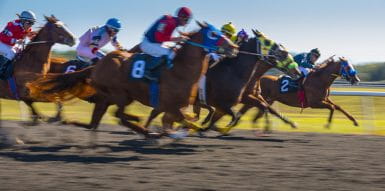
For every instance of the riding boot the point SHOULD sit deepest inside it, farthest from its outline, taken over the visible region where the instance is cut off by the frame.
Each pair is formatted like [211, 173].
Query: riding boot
[3, 67]
[94, 60]
[168, 61]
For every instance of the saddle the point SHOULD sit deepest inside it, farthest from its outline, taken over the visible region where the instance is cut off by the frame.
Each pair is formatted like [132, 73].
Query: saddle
[288, 85]
[75, 65]
[146, 67]
[6, 68]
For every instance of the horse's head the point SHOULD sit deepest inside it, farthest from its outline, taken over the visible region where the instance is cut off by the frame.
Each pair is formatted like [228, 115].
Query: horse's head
[213, 40]
[347, 71]
[277, 54]
[54, 31]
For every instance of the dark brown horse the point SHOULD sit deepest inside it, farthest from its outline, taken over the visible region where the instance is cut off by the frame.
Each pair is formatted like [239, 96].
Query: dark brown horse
[110, 79]
[34, 59]
[226, 81]
[316, 87]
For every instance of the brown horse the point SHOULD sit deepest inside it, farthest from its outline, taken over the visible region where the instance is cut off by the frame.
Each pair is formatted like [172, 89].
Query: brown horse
[316, 87]
[226, 81]
[34, 59]
[110, 79]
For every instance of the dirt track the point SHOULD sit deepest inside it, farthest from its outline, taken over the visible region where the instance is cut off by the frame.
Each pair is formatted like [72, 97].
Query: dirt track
[63, 158]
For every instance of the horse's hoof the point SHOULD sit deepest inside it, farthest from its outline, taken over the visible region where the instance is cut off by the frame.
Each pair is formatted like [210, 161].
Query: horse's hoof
[53, 119]
[294, 125]
[327, 126]
[267, 132]
[194, 119]
[356, 124]
[180, 134]
[30, 123]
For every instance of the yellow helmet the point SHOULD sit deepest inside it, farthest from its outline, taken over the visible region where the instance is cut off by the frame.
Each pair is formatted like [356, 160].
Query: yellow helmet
[228, 28]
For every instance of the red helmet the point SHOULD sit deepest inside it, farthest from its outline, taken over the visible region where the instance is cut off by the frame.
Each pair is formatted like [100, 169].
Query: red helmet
[184, 12]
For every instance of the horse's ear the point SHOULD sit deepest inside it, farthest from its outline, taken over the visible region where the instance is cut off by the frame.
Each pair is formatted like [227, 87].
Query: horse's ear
[46, 18]
[54, 18]
[342, 58]
[202, 25]
[256, 32]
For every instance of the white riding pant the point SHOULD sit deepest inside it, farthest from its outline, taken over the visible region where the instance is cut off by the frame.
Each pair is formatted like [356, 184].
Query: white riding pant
[155, 49]
[7, 51]
[305, 71]
[85, 53]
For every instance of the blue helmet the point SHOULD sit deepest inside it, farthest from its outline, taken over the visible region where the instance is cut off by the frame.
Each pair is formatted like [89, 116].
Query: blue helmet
[114, 23]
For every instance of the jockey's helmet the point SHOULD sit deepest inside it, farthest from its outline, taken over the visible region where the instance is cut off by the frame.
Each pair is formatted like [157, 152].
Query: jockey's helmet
[228, 29]
[316, 52]
[114, 24]
[184, 12]
[27, 16]
[242, 34]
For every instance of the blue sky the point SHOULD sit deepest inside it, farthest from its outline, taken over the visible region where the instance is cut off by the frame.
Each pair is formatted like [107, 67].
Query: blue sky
[351, 28]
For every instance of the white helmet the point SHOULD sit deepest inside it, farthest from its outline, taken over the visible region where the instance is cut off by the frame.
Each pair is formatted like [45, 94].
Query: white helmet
[27, 15]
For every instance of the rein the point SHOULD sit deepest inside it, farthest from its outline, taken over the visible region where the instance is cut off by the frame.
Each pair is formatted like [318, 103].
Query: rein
[202, 46]
[256, 54]
[40, 42]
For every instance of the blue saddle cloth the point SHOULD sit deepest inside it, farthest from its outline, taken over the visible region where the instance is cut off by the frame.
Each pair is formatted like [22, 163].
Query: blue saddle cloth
[148, 69]
[75, 65]
[287, 84]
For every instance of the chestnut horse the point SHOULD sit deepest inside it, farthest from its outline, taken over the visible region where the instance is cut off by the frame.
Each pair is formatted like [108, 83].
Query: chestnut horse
[316, 87]
[109, 77]
[33, 60]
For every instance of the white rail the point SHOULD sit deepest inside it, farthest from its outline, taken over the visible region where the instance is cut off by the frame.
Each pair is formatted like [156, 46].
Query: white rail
[357, 93]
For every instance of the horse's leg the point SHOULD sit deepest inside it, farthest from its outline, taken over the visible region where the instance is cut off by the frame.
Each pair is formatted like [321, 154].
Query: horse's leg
[97, 114]
[339, 108]
[218, 114]
[58, 116]
[258, 115]
[154, 113]
[168, 120]
[239, 114]
[209, 115]
[124, 120]
[196, 111]
[35, 115]
[261, 103]
[267, 123]
[325, 104]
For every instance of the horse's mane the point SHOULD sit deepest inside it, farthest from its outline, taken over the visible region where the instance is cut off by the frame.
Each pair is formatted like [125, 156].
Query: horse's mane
[52, 19]
[58, 60]
[324, 66]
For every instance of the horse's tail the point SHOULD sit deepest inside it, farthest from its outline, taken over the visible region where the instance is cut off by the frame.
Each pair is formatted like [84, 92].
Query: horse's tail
[62, 87]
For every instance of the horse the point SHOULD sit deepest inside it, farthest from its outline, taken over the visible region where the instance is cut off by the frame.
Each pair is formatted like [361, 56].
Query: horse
[109, 79]
[225, 82]
[34, 60]
[316, 87]
[62, 65]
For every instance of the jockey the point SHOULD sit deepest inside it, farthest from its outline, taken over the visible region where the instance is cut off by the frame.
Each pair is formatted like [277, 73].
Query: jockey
[306, 61]
[95, 38]
[242, 36]
[161, 32]
[229, 30]
[14, 34]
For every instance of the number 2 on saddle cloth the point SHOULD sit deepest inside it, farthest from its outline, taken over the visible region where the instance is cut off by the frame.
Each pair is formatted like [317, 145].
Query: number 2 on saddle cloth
[288, 85]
